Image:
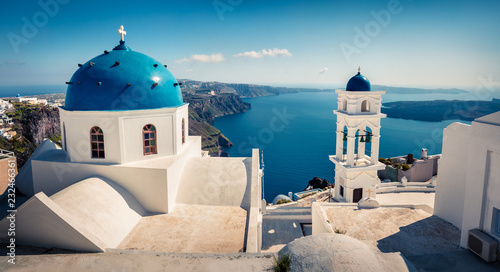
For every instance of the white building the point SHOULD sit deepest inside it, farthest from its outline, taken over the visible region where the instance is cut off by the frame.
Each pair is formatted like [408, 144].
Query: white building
[468, 188]
[5, 105]
[21, 99]
[126, 156]
[358, 136]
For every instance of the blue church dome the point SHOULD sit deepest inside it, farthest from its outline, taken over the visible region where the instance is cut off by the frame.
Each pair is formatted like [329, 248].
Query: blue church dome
[122, 80]
[358, 83]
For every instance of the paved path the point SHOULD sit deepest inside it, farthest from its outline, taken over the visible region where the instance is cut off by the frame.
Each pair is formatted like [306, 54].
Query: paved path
[139, 261]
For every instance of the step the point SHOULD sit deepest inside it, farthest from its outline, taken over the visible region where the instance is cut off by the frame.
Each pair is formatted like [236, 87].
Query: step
[299, 217]
[289, 210]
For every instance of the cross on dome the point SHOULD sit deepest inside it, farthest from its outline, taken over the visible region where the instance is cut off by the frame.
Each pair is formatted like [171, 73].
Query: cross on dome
[122, 33]
[359, 68]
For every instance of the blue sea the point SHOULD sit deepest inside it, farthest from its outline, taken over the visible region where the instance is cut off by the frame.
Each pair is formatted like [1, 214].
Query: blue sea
[296, 133]
[11, 91]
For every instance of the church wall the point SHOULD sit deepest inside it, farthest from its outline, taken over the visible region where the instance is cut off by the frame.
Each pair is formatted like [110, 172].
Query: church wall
[182, 112]
[254, 230]
[192, 149]
[77, 126]
[147, 185]
[492, 177]
[132, 136]
[482, 180]
[123, 133]
[450, 188]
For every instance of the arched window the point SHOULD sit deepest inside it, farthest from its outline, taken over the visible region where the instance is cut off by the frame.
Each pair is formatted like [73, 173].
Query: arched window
[365, 106]
[149, 139]
[97, 142]
[183, 131]
[344, 105]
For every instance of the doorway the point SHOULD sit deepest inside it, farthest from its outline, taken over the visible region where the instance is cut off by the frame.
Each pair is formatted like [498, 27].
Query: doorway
[357, 194]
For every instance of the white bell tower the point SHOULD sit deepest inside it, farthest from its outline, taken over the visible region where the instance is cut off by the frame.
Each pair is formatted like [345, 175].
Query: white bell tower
[358, 137]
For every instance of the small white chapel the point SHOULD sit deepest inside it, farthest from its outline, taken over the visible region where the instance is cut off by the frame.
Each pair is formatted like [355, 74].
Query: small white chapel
[128, 175]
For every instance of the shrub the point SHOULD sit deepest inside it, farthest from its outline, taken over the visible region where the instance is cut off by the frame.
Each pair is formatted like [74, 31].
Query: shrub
[397, 165]
[339, 231]
[382, 160]
[410, 158]
[282, 263]
[283, 201]
[405, 167]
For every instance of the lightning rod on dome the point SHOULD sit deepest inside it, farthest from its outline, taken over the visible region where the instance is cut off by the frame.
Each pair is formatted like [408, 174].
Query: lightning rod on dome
[122, 32]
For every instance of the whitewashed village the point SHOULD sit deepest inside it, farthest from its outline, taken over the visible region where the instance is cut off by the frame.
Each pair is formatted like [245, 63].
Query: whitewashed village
[130, 190]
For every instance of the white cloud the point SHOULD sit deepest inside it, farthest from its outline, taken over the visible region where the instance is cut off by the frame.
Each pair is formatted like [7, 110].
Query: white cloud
[214, 58]
[323, 70]
[189, 70]
[263, 53]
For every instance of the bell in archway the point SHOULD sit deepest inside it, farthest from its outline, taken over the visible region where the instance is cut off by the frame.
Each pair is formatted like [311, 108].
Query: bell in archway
[362, 139]
[368, 138]
[345, 136]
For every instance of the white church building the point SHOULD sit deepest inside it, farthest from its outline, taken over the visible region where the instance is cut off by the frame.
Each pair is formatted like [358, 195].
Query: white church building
[468, 188]
[128, 170]
[358, 137]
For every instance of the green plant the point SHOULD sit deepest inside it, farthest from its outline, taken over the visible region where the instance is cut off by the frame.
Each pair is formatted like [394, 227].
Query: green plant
[339, 231]
[405, 167]
[397, 165]
[282, 263]
[283, 201]
[382, 160]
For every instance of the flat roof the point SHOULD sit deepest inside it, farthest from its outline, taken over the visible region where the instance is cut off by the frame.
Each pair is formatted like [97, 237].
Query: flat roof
[394, 229]
[190, 228]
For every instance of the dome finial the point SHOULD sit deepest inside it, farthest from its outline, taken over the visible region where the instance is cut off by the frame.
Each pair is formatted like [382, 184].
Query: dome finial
[359, 69]
[122, 33]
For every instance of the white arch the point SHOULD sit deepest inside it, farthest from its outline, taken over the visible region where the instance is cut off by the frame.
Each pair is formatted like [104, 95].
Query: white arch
[371, 108]
[367, 123]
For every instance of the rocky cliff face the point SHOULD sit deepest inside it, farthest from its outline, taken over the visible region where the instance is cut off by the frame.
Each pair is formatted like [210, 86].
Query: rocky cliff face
[207, 107]
[202, 112]
[39, 123]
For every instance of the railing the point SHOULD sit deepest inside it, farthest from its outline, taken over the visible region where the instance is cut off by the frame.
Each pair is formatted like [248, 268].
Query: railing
[6, 153]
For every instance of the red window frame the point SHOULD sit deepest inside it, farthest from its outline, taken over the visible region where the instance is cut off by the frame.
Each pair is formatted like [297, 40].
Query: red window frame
[97, 143]
[149, 143]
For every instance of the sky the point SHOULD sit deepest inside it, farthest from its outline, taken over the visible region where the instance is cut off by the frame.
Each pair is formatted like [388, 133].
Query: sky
[412, 43]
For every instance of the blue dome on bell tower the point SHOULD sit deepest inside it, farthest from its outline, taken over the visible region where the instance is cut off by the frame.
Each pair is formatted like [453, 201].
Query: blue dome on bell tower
[358, 83]
[122, 79]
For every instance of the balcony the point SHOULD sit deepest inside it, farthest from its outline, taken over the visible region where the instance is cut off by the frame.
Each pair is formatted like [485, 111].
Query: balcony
[359, 162]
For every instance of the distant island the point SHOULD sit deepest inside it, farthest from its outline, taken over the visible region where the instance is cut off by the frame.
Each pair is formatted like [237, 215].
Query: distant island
[440, 110]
